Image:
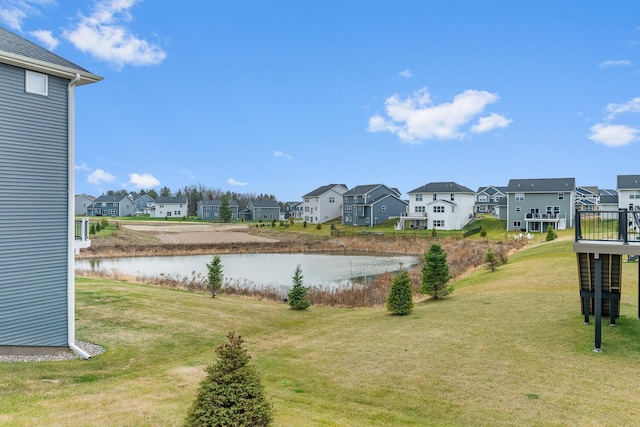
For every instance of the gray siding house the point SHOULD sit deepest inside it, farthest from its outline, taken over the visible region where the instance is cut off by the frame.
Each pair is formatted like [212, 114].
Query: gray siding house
[112, 206]
[210, 209]
[369, 205]
[83, 201]
[37, 110]
[535, 204]
[261, 210]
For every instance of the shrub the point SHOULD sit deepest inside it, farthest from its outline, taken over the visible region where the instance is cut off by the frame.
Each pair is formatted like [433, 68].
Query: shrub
[214, 276]
[434, 233]
[231, 394]
[304, 224]
[298, 295]
[435, 273]
[400, 299]
[551, 234]
[92, 229]
[491, 260]
[273, 222]
[318, 226]
[483, 232]
[291, 221]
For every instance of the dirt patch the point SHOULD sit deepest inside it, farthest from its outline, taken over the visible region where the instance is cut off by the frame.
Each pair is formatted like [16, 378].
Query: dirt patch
[196, 234]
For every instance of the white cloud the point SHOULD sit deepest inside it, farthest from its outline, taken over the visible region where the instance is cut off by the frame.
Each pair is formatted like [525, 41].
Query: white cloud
[631, 106]
[416, 118]
[236, 183]
[488, 123]
[615, 63]
[82, 167]
[145, 180]
[279, 154]
[103, 35]
[99, 176]
[46, 38]
[14, 12]
[406, 74]
[613, 135]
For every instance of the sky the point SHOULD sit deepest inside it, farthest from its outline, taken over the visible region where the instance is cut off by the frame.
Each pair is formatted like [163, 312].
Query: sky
[281, 97]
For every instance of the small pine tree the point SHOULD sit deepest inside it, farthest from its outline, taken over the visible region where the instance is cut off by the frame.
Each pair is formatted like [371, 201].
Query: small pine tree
[491, 260]
[297, 297]
[231, 394]
[483, 232]
[225, 209]
[214, 276]
[434, 233]
[318, 226]
[400, 299]
[551, 234]
[435, 273]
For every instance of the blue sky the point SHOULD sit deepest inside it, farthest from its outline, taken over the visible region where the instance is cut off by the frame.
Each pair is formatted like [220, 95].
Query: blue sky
[282, 97]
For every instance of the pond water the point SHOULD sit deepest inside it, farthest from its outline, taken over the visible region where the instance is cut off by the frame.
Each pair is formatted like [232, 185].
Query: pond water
[275, 270]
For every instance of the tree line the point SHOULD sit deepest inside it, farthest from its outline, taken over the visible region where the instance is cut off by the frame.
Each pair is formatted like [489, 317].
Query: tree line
[195, 194]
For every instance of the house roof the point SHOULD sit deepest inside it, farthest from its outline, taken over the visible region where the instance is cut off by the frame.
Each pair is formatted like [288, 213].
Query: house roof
[173, 199]
[628, 182]
[265, 204]
[542, 185]
[442, 187]
[20, 52]
[85, 195]
[217, 202]
[110, 199]
[364, 189]
[607, 192]
[321, 190]
[607, 199]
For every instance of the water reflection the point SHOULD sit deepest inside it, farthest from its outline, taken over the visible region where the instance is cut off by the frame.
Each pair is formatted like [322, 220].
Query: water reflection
[274, 270]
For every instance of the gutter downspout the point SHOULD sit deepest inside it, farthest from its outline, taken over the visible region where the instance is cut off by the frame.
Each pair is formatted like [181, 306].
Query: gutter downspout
[71, 284]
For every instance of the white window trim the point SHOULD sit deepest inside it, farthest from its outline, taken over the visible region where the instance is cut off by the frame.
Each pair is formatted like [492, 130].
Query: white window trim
[29, 89]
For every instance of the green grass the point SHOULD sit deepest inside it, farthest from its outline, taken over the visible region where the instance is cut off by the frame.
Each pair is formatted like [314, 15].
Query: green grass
[507, 348]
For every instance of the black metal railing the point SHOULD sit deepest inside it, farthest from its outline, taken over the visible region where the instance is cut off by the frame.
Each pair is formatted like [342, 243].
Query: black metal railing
[608, 226]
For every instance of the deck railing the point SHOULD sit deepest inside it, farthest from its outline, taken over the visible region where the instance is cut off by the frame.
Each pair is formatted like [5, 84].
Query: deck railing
[608, 226]
[81, 234]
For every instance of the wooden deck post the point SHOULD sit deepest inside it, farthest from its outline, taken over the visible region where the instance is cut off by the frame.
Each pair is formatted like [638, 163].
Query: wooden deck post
[597, 346]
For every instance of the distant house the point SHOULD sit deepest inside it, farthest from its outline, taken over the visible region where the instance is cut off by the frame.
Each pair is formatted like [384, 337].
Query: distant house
[82, 202]
[210, 209]
[608, 204]
[586, 198]
[323, 204]
[369, 205]
[37, 195]
[261, 210]
[628, 188]
[112, 206]
[487, 199]
[439, 205]
[143, 202]
[169, 207]
[292, 210]
[535, 204]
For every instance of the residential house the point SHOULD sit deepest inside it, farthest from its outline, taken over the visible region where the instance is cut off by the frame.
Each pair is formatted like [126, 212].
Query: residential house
[586, 198]
[210, 209]
[112, 206]
[82, 202]
[323, 204]
[369, 205]
[487, 199]
[37, 195]
[292, 210]
[170, 207]
[261, 210]
[143, 202]
[608, 204]
[628, 188]
[535, 204]
[439, 205]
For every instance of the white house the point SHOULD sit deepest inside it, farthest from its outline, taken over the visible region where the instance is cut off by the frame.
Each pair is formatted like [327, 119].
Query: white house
[439, 205]
[628, 187]
[324, 203]
[166, 207]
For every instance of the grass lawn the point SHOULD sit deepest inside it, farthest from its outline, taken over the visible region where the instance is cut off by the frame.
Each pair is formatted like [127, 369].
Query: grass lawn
[507, 348]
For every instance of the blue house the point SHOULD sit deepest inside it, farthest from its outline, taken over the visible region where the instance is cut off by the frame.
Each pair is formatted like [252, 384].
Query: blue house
[112, 206]
[261, 210]
[210, 209]
[369, 205]
[37, 142]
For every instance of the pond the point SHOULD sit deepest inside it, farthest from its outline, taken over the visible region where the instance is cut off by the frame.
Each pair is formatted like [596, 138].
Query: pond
[274, 270]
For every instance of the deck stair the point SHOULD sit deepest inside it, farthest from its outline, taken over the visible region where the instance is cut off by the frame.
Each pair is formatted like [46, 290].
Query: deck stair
[611, 277]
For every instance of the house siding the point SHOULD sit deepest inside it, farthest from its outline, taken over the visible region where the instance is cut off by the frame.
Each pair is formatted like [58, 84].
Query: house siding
[34, 241]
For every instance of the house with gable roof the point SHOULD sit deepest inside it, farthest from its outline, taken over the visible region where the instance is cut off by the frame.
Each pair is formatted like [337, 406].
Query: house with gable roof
[586, 198]
[535, 204]
[292, 210]
[261, 210]
[210, 209]
[323, 204]
[369, 205]
[439, 205]
[487, 199]
[37, 145]
[143, 202]
[170, 207]
[82, 202]
[112, 206]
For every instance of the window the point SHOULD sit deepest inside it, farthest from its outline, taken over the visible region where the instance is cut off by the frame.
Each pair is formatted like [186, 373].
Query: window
[435, 197]
[347, 209]
[438, 222]
[560, 196]
[519, 197]
[419, 209]
[516, 224]
[453, 197]
[306, 200]
[418, 197]
[438, 209]
[482, 198]
[36, 83]
[518, 208]
[347, 219]
[306, 208]
[332, 199]
[384, 208]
